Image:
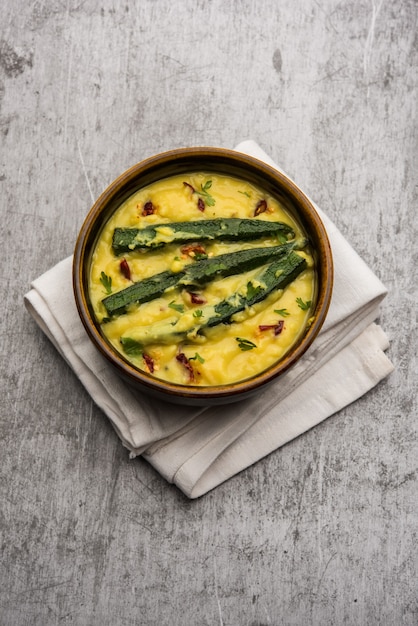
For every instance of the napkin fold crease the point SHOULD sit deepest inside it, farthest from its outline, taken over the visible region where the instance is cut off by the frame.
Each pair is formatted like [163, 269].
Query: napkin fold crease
[198, 448]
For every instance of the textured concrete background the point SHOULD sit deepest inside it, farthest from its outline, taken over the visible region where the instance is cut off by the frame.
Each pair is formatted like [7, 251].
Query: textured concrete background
[323, 531]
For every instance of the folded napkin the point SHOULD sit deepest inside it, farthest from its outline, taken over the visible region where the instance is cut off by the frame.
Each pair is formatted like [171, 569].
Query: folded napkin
[198, 448]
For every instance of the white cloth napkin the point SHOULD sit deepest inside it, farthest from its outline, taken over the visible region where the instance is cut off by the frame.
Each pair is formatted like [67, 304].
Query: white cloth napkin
[199, 448]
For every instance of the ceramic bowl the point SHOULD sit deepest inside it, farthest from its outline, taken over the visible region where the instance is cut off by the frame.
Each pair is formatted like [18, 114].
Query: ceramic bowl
[182, 161]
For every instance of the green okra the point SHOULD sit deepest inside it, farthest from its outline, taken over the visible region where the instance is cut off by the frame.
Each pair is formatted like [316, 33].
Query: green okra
[140, 292]
[224, 229]
[196, 274]
[206, 270]
[276, 276]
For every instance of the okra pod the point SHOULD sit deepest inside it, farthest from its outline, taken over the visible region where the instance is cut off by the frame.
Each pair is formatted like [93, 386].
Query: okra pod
[188, 327]
[195, 274]
[223, 229]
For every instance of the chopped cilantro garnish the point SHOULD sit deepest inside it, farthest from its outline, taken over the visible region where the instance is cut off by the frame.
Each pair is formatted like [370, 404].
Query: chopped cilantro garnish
[281, 239]
[245, 344]
[176, 307]
[204, 193]
[252, 291]
[131, 346]
[303, 305]
[106, 282]
[198, 256]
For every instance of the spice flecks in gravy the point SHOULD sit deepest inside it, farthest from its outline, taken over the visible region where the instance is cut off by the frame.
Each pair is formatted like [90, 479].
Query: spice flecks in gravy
[254, 338]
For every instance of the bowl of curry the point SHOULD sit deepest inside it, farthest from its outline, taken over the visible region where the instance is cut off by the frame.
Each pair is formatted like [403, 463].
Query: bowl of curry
[202, 275]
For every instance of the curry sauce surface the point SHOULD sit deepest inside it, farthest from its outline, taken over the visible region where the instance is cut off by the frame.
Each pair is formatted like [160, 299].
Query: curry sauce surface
[218, 357]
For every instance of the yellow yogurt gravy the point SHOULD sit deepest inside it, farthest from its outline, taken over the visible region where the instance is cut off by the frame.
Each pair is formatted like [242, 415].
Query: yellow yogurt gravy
[218, 357]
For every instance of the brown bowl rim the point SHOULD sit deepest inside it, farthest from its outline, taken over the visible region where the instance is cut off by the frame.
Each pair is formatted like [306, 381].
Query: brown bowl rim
[194, 393]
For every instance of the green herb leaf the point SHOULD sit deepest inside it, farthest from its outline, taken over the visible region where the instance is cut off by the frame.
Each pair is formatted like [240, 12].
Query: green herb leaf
[197, 357]
[131, 346]
[252, 291]
[204, 193]
[106, 282]
[303, 305]
[245, 344]
[176, 307]
[281, 239]
[198, 256]
[282, 312]
[245, 193]
[197, 313]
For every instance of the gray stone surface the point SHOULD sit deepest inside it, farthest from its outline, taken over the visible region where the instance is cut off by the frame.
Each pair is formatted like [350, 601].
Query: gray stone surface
[321, 532]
